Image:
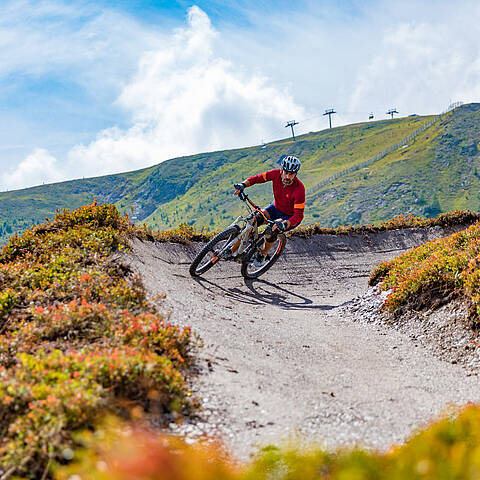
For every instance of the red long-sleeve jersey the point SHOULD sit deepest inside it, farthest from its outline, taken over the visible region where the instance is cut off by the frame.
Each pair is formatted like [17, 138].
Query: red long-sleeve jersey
[289, 200]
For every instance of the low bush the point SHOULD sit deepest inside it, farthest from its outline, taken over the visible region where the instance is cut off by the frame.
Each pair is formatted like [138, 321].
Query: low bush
[450, 219]
[448, 449]
[434, 273]
[78, 338]
[184, 233]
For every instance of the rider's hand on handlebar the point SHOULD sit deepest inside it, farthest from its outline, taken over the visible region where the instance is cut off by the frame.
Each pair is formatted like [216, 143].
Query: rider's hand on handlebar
[280, 225]
[239, 188]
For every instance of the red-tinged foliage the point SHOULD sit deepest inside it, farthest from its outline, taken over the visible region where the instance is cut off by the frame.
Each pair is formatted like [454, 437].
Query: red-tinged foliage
[78, 337]
[434, 273]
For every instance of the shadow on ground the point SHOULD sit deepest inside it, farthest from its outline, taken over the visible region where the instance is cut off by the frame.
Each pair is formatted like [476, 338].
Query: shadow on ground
[262, 292]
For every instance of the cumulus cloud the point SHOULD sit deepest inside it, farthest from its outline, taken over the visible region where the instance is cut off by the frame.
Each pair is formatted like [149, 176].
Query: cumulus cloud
[37, 168]
[184, 99]
[422, 66]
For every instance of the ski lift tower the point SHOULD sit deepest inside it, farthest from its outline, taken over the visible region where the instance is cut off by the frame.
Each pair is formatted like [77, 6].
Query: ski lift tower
[291, 124]
[392, 111]
[330, 112]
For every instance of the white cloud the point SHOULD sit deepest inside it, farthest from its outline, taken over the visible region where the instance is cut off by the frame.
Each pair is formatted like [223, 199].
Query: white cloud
[200, 89]
[38, 167]
[183, 100]
[422, 66]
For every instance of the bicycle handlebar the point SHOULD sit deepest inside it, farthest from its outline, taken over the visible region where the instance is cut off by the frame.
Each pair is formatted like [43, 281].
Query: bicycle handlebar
[244, 197]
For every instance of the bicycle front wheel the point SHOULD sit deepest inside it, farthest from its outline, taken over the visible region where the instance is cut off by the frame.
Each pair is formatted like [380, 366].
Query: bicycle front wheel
[250, 271]
[212, 251]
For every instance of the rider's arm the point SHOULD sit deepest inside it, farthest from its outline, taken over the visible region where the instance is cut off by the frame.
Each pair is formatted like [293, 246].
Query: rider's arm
[298, 207]
[261, 177]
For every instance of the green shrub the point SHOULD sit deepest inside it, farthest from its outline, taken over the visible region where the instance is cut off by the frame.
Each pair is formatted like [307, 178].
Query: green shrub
[434, 273]
[78, 338]
[450, 219]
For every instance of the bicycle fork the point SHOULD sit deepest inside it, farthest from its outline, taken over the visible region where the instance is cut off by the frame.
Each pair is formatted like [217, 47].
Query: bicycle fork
[239, 243]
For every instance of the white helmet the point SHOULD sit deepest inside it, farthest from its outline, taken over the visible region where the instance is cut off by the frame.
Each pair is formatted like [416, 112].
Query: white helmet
[290, 164]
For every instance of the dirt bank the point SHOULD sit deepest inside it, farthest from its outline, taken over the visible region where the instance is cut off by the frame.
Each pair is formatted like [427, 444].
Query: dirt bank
[281, 355]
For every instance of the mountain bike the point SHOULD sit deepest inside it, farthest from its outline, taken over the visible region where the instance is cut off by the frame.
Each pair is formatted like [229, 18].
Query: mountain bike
[244, 233]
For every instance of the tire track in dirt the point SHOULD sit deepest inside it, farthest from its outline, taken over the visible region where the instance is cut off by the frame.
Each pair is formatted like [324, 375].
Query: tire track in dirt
[281, 357]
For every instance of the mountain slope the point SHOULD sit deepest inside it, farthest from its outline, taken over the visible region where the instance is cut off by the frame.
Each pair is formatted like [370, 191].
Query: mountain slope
[438, 171]
[324, 153]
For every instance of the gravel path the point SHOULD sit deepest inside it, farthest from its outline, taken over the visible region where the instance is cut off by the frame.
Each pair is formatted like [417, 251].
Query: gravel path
[284, 358]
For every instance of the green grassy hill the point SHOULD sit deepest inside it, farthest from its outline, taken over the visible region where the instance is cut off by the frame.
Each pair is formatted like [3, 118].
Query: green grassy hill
[436, 172]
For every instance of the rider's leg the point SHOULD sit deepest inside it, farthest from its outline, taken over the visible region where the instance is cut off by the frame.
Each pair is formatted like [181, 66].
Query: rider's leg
[267, 245]
[260, 221]
[273, 214]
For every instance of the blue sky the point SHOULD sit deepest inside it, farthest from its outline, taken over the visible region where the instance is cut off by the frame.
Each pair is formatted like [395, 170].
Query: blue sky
[91, 88]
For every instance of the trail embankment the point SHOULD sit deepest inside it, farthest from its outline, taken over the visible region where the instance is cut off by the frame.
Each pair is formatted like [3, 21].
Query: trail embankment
[281, 356]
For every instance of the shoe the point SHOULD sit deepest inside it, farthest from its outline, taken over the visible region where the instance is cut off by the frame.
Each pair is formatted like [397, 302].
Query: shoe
[259, 260]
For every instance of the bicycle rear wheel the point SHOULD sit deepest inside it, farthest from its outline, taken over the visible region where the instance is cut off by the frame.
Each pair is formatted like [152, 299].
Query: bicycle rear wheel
[250, 271]
[212, 251]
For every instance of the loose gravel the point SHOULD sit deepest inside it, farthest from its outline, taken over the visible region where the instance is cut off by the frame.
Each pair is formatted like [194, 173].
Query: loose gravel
[445, 331]
[286, 357]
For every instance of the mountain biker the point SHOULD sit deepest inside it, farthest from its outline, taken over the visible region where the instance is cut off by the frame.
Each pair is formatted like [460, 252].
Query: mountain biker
[287, 209]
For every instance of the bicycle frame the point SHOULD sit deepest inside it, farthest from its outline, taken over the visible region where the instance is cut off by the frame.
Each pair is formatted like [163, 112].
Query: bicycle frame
[240, 241]
[249, 225]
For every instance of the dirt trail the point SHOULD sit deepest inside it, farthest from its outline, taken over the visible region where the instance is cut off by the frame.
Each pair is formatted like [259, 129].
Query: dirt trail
[282, 358]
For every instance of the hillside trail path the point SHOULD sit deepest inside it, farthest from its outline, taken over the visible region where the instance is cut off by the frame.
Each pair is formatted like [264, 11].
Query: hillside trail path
[282, 359]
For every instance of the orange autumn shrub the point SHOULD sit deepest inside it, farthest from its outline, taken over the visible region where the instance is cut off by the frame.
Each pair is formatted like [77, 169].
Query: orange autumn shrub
[78, 338]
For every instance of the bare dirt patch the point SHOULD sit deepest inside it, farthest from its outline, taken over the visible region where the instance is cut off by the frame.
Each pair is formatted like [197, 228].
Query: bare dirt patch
[446, 331]
[281, 357]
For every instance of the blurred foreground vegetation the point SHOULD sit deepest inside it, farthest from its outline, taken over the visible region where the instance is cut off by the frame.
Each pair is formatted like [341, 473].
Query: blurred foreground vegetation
[449, 449]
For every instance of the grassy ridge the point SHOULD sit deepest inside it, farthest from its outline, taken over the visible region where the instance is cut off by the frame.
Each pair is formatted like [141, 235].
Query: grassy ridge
[211, 203]
[438, 172]
[197, 188]
[78, 338]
